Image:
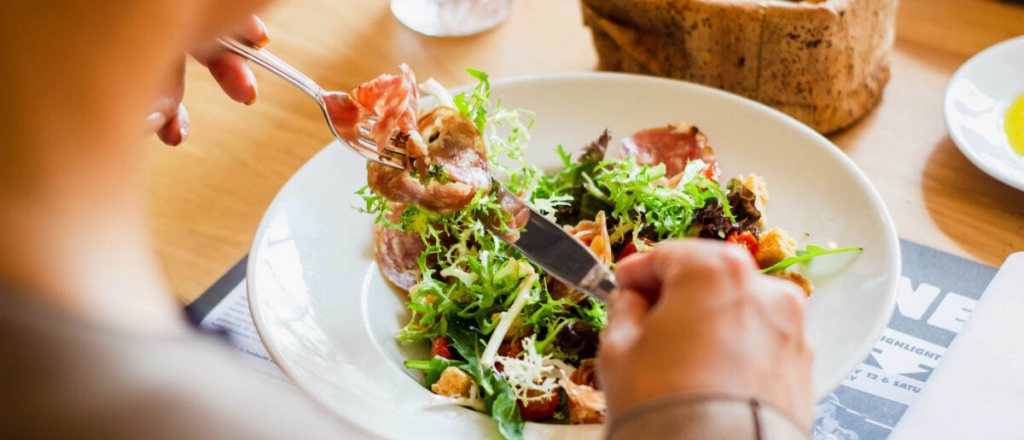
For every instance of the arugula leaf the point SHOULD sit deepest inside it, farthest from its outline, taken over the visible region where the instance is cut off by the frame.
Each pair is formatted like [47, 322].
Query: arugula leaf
[805, 255]
[503, 408]
[433, 368]
[498, 397]
[462, 336]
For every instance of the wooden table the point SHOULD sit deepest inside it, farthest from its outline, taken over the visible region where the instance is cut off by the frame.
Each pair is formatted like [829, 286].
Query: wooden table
[207, 197]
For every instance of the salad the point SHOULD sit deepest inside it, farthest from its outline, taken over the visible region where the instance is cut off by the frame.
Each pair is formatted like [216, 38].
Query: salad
[507, 339]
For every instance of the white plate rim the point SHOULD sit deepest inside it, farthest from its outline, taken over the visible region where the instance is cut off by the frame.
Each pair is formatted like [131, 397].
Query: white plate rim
[953, 129]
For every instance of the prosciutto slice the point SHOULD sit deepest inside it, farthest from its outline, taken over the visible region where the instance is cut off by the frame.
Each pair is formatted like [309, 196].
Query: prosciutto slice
[674, 146]
[586, 403]
[454, 145]
[393, 99]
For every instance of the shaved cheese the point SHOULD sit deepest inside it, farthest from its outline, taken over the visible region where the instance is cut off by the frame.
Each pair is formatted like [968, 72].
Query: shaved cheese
[435, 89]
[563, 368]
[530, 372]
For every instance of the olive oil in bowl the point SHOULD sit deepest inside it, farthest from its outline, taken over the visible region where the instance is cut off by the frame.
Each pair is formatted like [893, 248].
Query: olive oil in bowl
[1014, 125]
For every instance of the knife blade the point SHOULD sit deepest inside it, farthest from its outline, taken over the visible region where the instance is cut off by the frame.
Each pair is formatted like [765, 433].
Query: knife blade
[552, 248]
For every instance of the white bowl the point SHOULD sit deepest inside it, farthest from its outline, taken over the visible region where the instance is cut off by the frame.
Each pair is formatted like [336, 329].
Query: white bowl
[327, 316]
[975, 105]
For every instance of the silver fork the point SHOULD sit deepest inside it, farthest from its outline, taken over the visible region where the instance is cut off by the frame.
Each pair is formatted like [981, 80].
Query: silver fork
[391, 155]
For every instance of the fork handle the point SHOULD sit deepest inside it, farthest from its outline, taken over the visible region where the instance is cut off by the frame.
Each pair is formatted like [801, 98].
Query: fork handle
[274, 64]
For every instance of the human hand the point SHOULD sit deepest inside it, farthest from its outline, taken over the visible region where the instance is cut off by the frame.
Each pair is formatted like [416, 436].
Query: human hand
[719, 326]
[169, 119]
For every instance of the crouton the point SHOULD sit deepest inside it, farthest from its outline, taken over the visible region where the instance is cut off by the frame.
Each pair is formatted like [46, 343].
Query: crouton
[757, 185]
[453, 383]
[773, 246]
[798, 279]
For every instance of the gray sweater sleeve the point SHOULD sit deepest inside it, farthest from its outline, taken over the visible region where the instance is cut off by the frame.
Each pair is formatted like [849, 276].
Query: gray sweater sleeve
[704, 417]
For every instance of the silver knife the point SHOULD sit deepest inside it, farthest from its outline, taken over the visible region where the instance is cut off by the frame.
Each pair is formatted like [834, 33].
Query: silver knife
[552, 248]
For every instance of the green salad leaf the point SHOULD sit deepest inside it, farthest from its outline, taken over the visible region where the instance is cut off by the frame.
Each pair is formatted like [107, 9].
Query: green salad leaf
[474, 104]
[640, 201]
[805, 255]
[503, 408]
[499, 399]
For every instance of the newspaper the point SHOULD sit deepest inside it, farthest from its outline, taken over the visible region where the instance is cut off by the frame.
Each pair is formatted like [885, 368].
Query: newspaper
[937, 293]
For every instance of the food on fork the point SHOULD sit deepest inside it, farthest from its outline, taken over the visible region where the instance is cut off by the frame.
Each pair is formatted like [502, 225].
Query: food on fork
[506, 337]
[393, 100]
[446, 157]
[453, 171]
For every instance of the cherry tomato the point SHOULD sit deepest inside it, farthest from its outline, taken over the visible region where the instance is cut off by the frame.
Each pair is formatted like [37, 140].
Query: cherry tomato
[539, 409]
[711, 172]
[630, 248]
[508, 350]
[440, 348]
[745, 239]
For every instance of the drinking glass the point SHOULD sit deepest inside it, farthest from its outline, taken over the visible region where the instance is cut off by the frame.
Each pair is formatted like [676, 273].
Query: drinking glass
[450, 18]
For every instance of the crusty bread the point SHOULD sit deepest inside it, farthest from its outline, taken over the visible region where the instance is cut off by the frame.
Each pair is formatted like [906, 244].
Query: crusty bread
[824, 63]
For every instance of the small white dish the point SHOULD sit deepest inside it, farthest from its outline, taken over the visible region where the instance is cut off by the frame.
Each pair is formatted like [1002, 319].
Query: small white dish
[328, 317]
[975, 104]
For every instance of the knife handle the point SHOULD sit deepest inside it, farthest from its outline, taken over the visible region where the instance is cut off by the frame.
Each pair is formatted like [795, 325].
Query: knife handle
[599, 283]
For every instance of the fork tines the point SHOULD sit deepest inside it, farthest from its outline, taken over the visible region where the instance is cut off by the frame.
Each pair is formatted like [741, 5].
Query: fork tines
[393, 154]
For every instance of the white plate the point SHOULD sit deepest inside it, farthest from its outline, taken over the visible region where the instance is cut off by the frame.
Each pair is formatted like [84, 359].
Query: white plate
[975, 104]
[327, 316]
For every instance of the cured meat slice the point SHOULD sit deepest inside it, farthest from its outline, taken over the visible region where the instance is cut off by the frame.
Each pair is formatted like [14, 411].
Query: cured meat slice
[586, 404]
[455, 144]
[397, 253]
[401, 186]
[456, 160]
[674, 146]
[594, 234]
[393, 99]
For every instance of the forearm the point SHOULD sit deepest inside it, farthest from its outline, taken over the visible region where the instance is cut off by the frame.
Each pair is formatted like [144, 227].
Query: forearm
[704, 417]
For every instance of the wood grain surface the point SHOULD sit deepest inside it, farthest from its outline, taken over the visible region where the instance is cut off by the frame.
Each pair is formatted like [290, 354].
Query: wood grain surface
[207, 196]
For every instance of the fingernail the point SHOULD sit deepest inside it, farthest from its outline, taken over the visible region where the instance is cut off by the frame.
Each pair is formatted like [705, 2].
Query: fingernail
[184, 121]
[266, 34]
[255, 86]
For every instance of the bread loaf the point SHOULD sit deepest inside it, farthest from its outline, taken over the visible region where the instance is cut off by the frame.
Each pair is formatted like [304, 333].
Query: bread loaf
[824, 63]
